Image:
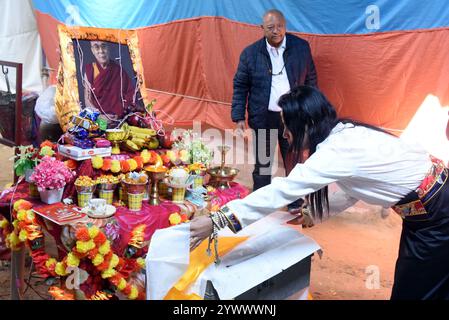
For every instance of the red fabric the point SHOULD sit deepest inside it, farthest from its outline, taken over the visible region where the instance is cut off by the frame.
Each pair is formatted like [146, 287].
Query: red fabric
[106, 86]
[154, 217]
[221, 197]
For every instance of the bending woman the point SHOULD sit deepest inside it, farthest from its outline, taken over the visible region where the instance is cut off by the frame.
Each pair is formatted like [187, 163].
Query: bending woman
[367, 164]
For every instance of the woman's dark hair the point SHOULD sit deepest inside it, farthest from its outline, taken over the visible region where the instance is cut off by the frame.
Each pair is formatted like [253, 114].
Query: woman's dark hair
[310, 117]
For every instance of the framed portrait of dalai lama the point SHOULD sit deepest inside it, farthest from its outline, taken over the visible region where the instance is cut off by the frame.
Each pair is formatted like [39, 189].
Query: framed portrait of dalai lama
[100, 69]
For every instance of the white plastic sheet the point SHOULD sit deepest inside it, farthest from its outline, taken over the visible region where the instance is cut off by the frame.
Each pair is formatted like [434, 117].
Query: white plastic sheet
[167, 259]
[20, 42]
[45, 106]
[271, 248]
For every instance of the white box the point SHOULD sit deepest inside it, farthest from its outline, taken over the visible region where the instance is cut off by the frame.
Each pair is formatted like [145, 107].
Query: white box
[77, 153]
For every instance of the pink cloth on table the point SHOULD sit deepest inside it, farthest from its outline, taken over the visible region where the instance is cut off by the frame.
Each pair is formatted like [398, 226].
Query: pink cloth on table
[221, 197]
[154, 217]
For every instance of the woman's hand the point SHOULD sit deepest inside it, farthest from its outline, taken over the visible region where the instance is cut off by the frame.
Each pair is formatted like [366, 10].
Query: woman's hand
[200, 228]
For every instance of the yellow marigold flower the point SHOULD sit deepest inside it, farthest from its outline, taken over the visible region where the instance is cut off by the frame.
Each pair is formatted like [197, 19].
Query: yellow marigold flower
[134, 293]
[97, 162]
[17, 204]
[13, 240]
[23, 235]
[30, 215]
[93, 231]
[98, 259]
[60, 269]
[15, 223]
[122, 284]
[105, 248]
[4, 223]
[114, 261]
[50, 262]
[145, 156]
[47, 151]
[115, 166]
[132, 164]
[72, 260]
[141, 262]
[174, 218]
[21, 215]
[85, 246]
[108, 273]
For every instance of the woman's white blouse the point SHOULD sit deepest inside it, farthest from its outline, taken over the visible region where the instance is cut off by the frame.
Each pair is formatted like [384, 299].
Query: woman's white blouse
[366, 164]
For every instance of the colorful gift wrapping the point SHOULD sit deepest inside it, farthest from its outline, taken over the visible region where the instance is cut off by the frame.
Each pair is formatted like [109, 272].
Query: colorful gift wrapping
[178, 195]
[34, 193]
[83, 198]
[107, 195]
[135, 201]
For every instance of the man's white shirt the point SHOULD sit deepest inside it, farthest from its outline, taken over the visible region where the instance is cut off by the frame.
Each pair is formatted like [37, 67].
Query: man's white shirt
[279, 83]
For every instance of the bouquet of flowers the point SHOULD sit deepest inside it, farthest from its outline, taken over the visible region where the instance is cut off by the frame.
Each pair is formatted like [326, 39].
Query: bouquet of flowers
[192, 149]
[28, 156]
[51, 174]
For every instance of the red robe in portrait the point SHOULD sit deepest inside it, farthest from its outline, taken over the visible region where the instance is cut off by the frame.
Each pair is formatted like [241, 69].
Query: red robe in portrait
[106, 84]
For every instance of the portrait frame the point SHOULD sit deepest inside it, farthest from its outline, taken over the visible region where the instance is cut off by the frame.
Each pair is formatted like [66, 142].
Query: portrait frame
[67, 100]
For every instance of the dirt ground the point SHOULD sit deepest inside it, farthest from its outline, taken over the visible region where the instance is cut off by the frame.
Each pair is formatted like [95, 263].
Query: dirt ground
[359, 251]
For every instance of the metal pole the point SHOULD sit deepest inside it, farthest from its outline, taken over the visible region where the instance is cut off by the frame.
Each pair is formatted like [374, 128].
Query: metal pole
[17, 267]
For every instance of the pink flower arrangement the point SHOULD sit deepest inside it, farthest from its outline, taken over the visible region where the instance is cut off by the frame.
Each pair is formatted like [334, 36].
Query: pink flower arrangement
[51, 174]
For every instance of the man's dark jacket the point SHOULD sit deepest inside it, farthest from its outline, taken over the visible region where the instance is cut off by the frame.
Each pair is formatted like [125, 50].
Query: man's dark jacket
[252, 81]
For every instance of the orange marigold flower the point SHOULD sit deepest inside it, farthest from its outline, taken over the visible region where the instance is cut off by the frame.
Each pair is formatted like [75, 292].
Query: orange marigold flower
[114, 279]
[153, 157]
[100, 239]
[92, 253]
[71, 164]
[107, 163]
[46, 143]
[82, 234]
[22, 225]
[108, 256]
[139, 161]
[124, 165]
[121, 263]
[103, 266]
[127, 289]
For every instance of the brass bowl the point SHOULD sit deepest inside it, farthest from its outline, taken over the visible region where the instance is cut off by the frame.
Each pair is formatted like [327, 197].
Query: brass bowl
[114, 135]
[220, 177]
[154, 176]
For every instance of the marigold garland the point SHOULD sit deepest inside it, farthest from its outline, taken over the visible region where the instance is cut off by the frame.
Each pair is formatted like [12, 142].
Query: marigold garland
[91, 243]
[124, 166]
[137, 236]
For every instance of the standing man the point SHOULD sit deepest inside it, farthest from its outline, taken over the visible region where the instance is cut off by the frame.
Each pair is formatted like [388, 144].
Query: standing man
[267, 69]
